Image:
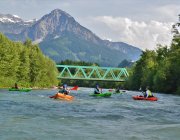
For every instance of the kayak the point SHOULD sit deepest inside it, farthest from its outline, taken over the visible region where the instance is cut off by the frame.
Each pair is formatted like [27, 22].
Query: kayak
[111, 90]
[62, 96]
[107, 94]
[114, 91]
[20, 89]
[143, 98]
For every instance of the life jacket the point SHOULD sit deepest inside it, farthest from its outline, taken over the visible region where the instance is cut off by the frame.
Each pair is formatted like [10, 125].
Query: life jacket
[64, 90]
[149, 93]
[96, 90]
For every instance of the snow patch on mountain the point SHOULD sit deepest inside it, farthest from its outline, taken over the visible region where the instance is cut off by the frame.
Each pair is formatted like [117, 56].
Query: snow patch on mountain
[16, 16]
[10, 18]
[4, 19]
[15, 19]
[57, 36]
[31, 21]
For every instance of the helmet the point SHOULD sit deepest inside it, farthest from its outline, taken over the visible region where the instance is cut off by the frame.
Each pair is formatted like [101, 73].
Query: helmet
[97, 85]
[65, 85]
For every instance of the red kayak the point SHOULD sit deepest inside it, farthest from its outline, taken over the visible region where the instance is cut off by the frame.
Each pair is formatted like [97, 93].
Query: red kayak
[143, 98]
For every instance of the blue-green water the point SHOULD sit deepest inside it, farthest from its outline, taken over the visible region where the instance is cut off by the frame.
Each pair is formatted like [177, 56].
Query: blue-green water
[34, 116]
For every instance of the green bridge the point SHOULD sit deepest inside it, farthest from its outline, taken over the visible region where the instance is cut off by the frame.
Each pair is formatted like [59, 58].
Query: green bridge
[92, 73]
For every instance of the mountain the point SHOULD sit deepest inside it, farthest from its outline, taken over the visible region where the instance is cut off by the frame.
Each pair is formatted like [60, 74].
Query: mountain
[12, 24]
[61, 37]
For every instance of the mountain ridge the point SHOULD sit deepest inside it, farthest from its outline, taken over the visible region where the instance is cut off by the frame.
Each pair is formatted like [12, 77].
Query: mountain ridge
[13, 24]
[63, 33]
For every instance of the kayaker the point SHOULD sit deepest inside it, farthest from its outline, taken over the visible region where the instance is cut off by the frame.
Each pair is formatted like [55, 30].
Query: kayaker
[140, 89]
[143, 91]
[148, 93]
[97, 89]
[117, 90]
[64, 89]
[16, 86]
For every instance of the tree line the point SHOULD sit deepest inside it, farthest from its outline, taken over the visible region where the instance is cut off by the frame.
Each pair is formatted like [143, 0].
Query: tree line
[158, 69]
[25, 64]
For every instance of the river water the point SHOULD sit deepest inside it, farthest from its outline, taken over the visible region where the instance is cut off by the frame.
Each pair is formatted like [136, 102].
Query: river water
[34, 116]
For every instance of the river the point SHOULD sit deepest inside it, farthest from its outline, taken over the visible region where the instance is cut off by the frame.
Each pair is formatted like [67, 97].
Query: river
[35, 116]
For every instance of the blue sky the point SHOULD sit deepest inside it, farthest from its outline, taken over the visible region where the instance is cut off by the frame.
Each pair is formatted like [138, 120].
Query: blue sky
[143, 23]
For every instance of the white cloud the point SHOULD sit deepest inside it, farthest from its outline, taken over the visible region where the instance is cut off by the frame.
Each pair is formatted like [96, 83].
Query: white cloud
[168, 12]
[145, 35]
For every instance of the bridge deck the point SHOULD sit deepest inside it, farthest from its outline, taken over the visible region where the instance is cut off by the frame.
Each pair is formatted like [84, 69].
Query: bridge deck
[92, 73]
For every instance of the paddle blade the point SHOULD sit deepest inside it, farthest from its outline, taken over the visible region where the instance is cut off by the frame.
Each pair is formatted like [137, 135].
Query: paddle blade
[51, 96]
[74, 88]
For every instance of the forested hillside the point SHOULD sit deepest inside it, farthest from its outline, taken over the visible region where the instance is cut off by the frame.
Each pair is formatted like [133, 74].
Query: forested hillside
[25, 64]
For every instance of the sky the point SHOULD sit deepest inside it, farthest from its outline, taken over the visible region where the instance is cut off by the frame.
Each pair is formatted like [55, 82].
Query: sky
[142, 23]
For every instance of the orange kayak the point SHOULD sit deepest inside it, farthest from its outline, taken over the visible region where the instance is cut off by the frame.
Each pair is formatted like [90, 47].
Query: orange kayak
[62, 97]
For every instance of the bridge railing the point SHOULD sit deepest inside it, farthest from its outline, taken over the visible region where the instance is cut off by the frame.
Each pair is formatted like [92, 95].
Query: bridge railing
[92, 73]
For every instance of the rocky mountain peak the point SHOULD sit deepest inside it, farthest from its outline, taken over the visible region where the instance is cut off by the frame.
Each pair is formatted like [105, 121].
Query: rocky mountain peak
[59, 12]
[56, 16]
[52, 24]
[7, 18]
[13, 24]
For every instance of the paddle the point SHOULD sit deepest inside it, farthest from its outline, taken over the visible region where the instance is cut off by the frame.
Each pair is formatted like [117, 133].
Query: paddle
[74, 88]
[52, 96]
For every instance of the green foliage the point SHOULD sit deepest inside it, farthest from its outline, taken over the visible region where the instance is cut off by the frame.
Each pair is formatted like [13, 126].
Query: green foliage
[77, 63]
[158, 69]
[125, 63]
[25, 64]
